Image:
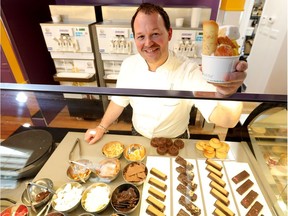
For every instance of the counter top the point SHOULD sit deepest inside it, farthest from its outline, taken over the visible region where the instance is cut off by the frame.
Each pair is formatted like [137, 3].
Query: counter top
[55, 168]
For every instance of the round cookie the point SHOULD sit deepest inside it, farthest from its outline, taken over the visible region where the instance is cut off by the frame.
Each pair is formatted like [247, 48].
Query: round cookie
[173, 150]
[200, 145]
[161, 150]
[162, 141]
[169, 142]
[221, 155]
[208, 154]
[154, 142]
[215, 143]
[179, 143]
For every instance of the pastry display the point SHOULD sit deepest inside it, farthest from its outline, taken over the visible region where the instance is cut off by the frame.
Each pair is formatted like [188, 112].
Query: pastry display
[159, 184]
[167, 145]
[240, 177]
[156, 203]
[187, 192]
[218, 204]
[158, 194]
[158, 174]
[189, 206]
[151, 210]
[213, 148]
[249, 198]
[244, 187]
[255, 209]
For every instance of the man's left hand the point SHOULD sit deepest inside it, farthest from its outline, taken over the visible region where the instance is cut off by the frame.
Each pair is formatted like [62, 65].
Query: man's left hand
[233, 81]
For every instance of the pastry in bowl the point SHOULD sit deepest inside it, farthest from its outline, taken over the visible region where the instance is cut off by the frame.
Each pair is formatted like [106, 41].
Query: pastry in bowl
[67, 197]
[79, 171]
[125, 198]
[96, 197]
[109, 169]
[113, 149]
[134, 152]
[135, 173]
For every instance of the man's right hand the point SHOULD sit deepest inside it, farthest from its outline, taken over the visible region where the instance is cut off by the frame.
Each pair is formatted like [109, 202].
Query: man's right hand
[93, 135]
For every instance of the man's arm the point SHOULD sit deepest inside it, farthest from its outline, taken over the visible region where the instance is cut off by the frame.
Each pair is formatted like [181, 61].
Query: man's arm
[112, 113]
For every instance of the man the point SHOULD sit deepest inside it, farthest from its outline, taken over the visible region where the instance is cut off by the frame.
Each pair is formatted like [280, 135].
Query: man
[155, 67]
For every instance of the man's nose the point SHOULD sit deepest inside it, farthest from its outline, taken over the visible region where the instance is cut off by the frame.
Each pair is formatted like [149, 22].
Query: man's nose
[148, 41]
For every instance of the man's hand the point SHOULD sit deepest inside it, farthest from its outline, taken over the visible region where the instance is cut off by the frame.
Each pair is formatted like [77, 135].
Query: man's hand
[93, 135]
[233, 81]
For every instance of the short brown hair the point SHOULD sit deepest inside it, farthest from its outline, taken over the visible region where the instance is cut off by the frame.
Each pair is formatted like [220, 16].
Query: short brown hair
[149, 8]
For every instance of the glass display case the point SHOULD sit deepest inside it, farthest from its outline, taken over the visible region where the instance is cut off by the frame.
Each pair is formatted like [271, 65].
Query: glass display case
[268, 135]
[260, 137]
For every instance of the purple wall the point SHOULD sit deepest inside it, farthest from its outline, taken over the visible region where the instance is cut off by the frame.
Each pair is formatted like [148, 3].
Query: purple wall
[22, 19]
[213, 4]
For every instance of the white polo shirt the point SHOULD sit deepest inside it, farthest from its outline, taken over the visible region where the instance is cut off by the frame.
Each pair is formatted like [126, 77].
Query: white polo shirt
[155, 117]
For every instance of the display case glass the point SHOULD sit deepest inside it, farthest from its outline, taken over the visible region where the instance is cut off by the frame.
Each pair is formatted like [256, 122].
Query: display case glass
[262, 126]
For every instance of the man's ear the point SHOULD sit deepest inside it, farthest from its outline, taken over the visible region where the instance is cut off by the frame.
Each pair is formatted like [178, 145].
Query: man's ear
[170, 34]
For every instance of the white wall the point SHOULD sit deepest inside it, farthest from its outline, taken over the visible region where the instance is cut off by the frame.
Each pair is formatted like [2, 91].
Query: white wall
[267, 72]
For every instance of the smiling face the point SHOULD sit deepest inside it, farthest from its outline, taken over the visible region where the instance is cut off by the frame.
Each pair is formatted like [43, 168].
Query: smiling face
[152, 38]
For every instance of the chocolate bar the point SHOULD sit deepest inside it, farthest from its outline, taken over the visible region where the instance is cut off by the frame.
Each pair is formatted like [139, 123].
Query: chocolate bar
[191, 207]
[217, 179]
[187, 192]
[157, 194]
[218, 204]
[151, 210]
[240, 177]
[220, 196]
[188, 173]
[214, 170]
[214, 164]
[219, 188]
[255, 209]
[181, 161]
[245, 186]
[249, 198]
[187, 182]
[182, 213]
[156, 203]
[158, 174]
[159, 184]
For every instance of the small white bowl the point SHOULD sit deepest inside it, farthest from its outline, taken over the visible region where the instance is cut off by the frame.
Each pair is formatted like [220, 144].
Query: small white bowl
[67, 197]
[99, 194]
